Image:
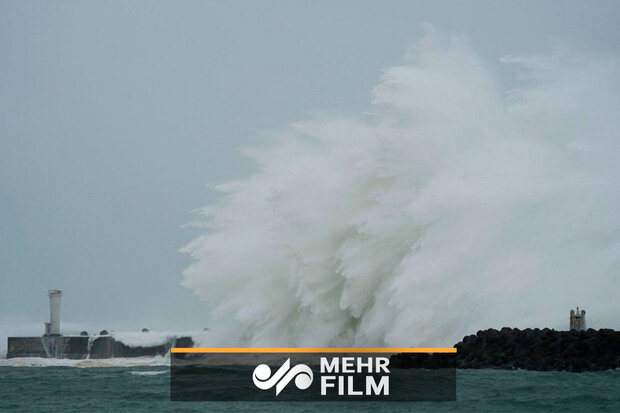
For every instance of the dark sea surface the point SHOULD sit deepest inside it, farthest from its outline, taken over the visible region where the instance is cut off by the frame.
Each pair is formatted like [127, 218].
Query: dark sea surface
[146, 389]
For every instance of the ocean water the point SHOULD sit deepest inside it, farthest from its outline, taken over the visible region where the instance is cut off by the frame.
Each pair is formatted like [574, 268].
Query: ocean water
[145, 388]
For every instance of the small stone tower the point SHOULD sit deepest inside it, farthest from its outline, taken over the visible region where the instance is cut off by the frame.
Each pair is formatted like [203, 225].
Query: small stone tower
[578, 320]
[53, 327]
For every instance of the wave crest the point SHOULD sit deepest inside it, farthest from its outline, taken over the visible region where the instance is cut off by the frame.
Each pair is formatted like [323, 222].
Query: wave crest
[457, 205]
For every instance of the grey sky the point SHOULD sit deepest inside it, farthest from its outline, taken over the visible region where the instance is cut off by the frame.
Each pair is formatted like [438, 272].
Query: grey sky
[114, 116]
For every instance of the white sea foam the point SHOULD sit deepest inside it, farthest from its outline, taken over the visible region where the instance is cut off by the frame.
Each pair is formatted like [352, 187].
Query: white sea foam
[116, 362]
[150, 338]
[148, 373]
[456, 205]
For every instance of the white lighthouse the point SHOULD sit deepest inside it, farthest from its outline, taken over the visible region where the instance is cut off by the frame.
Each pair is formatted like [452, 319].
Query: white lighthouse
[53, 327]
[578, 320]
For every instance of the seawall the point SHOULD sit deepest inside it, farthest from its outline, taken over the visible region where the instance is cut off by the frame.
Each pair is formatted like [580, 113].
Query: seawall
[82, 347]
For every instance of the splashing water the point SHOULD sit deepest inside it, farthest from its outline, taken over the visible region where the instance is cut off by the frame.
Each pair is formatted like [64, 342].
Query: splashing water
[457, 206]
[86, 363]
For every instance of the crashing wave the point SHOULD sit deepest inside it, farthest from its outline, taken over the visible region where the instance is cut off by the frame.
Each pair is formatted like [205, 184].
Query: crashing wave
[457, 205]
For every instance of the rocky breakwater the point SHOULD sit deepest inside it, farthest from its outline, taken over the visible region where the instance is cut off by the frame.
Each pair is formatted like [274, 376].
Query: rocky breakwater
[542, 350]
[529, 349]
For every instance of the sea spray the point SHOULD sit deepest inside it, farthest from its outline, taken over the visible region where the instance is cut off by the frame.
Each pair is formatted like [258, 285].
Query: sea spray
[147, 339]
[457, 205]
[86, 363]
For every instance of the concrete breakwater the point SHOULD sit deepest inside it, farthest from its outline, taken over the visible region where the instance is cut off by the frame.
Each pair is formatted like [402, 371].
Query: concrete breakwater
[52, 344]
[528, 349]
[82, 347]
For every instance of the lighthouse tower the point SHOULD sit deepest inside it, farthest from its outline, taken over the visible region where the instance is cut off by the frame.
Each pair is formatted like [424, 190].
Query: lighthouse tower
[53, 327]
[578, 320]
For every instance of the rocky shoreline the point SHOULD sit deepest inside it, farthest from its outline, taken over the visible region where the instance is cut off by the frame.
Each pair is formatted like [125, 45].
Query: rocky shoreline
[528, 349]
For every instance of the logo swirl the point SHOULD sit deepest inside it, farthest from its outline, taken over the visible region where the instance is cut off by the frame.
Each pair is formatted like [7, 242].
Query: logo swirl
[264, 380]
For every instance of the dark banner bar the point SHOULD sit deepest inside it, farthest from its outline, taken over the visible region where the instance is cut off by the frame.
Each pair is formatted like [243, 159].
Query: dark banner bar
[312, 376]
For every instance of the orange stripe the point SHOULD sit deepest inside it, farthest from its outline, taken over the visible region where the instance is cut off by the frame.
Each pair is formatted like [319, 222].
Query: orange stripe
[312, 350]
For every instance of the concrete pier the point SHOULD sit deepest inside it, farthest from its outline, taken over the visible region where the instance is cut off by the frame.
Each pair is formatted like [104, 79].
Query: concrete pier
[54, 345]
[77, 347]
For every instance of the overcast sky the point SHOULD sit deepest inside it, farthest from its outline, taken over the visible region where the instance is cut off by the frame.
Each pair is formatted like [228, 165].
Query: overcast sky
[115, 116]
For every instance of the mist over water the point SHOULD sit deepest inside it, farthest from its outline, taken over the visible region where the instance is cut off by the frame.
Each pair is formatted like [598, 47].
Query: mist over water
[457, 204]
